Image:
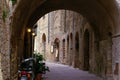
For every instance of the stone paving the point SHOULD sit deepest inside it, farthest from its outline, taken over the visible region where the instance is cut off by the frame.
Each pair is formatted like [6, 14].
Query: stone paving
[64, 72]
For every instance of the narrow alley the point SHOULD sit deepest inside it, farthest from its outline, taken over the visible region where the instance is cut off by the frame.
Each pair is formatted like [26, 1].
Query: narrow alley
[84, 35]
[64, 72]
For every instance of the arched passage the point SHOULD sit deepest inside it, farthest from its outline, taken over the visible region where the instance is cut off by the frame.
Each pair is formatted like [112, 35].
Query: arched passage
[102, 15]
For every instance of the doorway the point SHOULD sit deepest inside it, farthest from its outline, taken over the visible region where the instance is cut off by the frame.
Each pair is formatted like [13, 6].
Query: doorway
[86, 50]
[56, 43]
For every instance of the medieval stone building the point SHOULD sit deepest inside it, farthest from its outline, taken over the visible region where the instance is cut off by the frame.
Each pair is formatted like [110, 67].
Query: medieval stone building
[87, 36]
[67, 37]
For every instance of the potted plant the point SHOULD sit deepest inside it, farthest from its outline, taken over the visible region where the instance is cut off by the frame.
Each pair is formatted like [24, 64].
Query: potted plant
[41, 68]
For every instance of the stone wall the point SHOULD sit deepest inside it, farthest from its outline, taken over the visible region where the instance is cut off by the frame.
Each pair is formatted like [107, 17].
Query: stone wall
[4, 42]
[116, 56]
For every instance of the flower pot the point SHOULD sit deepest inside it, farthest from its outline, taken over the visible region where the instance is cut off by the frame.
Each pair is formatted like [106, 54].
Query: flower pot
[39, 76]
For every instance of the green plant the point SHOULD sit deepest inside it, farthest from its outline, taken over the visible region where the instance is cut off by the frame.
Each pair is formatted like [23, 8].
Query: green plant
[38, 56]
[41, 68]
[40, 64]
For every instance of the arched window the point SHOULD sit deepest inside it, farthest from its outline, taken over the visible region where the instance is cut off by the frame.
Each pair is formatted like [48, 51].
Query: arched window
[44, 44]
[43, 37]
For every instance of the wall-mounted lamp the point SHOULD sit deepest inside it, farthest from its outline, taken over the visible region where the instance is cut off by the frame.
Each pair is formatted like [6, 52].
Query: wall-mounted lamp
[29, 30]
[33, 34]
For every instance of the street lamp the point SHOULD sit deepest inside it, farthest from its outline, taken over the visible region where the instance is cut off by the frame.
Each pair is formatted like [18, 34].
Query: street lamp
[33, 34]
[29, 30]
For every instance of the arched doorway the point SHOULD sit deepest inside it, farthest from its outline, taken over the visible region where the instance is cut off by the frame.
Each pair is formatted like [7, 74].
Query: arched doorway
[64, 55]
[77, 50]
[68, 54]
[44, 45]
[71, 49]
[86, 50]
[56, 49]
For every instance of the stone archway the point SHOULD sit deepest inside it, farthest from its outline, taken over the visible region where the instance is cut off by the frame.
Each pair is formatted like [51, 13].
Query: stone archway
[103, 15]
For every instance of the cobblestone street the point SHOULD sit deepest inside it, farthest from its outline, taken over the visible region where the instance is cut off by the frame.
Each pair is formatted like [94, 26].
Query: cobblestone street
[64, 72]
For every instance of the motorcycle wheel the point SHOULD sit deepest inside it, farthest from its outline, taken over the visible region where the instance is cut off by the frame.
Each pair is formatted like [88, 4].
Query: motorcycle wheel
[23, 78]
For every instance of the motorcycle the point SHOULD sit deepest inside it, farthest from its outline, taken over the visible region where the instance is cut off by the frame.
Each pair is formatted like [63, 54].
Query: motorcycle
[26, 70]
[25, 75]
